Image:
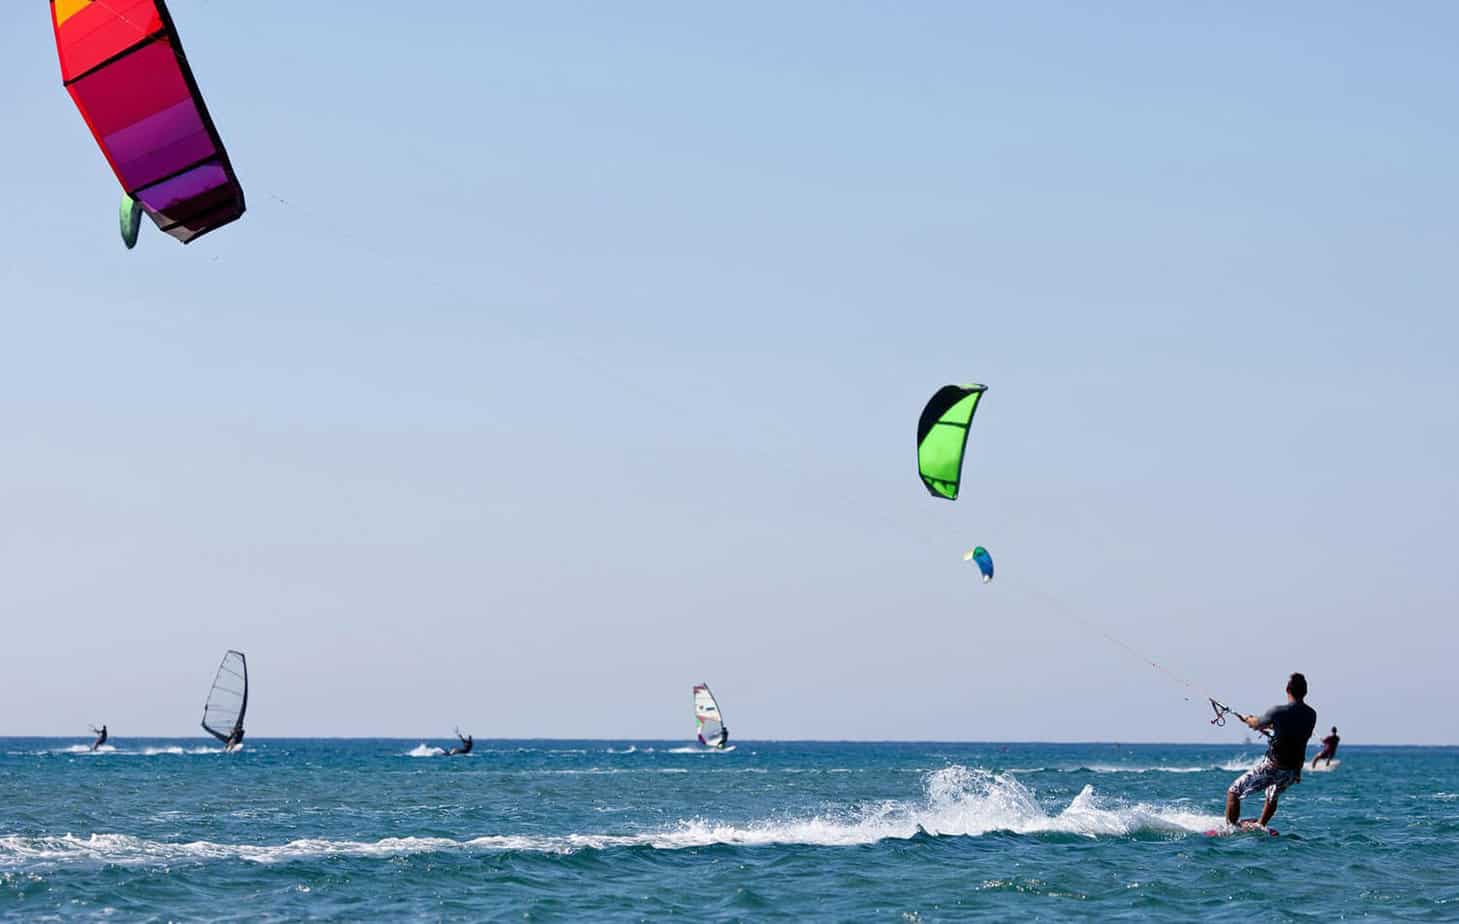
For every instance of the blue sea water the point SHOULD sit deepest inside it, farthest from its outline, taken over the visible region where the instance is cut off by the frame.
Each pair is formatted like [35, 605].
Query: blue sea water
[590, 830]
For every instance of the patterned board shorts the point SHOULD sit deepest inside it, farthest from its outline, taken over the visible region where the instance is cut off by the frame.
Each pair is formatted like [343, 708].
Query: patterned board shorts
[1265, 775]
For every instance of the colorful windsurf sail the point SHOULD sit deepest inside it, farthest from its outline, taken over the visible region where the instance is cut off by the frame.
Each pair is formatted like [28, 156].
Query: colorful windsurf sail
[227, 699]
[707, 720]
[124, 67]
[984, 560]
[942, 437]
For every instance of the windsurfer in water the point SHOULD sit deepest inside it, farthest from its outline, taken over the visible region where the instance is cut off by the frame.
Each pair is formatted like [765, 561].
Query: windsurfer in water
[235, 740]
[101, 736]
[723, 737]
[467, 743]
[1291, 726]
[1329, 749]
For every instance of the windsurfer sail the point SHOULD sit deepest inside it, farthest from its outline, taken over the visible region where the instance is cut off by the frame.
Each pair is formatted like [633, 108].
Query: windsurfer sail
[228, 701]
[708, 721]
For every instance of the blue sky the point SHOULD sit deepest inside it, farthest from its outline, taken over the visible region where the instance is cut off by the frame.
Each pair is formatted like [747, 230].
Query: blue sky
[569, 355]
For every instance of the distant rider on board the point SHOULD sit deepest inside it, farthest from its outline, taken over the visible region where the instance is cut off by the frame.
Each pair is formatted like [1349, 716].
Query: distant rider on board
[100, 736]
[467, 743]
[1329, 749]
[1291, 726]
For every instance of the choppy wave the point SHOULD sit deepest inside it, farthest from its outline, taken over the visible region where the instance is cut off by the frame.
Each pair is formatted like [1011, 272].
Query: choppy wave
[957, 801]
[85, 749]
[1126, 768]
[425, 750]
[1234, 765]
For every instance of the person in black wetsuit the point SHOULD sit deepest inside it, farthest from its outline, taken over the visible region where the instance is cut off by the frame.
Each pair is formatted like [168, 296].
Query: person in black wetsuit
[467, 743]
[100, 736]
[235, 740]
[1291, 726]
[723, 737]
[1329, 749]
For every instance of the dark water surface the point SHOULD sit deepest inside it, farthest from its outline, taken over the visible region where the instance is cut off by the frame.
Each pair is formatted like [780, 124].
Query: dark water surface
[558, 830]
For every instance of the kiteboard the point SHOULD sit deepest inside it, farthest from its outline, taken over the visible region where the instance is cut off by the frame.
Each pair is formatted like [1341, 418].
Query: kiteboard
[1244, 826]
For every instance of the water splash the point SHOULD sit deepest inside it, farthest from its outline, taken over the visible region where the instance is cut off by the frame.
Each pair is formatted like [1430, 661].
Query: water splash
[957, 801]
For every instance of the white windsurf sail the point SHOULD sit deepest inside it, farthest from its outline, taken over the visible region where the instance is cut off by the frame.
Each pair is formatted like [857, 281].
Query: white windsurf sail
[707, 719]
[228, 698]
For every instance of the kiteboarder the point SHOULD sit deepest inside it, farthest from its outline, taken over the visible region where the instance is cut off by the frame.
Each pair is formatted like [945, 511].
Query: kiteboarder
[101, 735]
[1291, 726]
[1329, 749]
[467, 742]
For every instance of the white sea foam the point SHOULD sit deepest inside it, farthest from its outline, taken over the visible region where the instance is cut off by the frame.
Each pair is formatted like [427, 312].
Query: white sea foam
[958, 801]
[175, 750]
[1323, 767]
[425, 750]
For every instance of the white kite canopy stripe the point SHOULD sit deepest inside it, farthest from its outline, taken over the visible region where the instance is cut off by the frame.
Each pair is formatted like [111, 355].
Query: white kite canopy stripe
[707, 719]
[228, 697]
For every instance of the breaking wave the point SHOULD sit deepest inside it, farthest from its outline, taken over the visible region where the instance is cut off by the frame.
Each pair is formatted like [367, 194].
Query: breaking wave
[957, 801]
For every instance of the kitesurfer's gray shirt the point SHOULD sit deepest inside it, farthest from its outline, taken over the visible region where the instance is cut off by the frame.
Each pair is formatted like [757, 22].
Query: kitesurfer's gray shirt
[1291, 725]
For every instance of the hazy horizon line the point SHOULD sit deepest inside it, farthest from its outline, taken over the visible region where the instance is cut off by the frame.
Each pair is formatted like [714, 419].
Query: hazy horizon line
[258, 738]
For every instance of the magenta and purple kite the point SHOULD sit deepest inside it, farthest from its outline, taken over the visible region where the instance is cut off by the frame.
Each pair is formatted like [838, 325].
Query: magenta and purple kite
[124, 67]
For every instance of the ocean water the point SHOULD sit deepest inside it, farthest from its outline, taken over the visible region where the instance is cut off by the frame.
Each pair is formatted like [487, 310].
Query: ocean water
[591, 830]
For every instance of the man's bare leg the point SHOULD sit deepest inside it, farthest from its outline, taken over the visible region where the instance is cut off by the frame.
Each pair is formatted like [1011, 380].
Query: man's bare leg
[1268, 810]
[1233, 808]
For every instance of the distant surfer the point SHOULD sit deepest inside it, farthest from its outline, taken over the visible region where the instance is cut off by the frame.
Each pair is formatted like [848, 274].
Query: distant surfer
[467, 743]
[101, 736]
[1329, 749]
[235, 740]
[723, 737]
[1291, 726]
